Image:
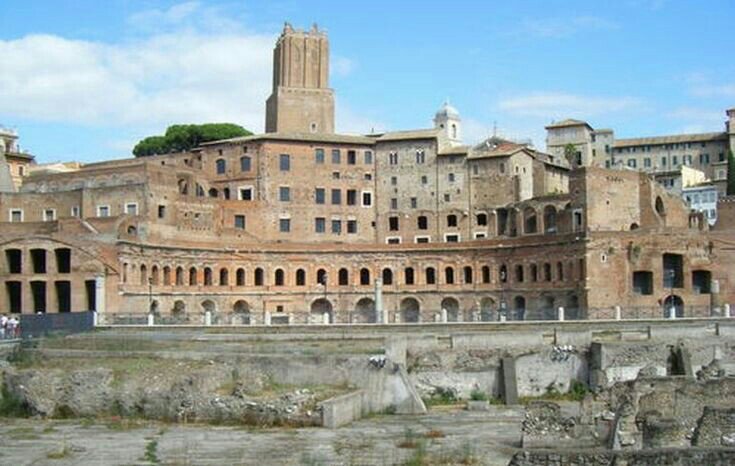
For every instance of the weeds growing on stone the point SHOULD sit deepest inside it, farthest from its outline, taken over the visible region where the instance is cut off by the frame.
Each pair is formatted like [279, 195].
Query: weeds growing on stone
[151, 451]
[61, 453]
[478, 395]
[12, 406]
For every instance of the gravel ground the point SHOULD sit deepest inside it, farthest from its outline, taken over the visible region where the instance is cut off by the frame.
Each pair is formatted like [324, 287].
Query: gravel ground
[443, 437]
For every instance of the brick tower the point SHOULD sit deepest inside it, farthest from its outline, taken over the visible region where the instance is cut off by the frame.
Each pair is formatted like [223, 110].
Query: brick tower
[301, 101]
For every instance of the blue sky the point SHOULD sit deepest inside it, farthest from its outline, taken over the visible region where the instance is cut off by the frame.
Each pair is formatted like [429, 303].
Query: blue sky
[85, 79]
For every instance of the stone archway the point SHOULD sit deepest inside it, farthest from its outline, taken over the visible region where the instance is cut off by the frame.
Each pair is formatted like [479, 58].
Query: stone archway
[410, 310]
[451, 305]
[487, 310]
[677, 303]
[364, 312]
[319, 309]
[241, 312]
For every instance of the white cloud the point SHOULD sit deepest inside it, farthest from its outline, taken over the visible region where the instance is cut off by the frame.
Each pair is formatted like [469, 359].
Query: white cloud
[350, 122]
[341, 66]
[556, 105]
[566, 26]
[194, 74]
[698, 120]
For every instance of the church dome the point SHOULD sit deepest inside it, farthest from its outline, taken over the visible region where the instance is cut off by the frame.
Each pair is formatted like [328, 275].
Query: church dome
[447, 111]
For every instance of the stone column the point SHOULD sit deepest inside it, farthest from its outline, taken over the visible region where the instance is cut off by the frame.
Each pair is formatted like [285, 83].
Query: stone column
[207, 318]
[444, 316]
[99, 293]
[379, 316]
[618, 313]
[151, 320]
[560, 314]
[726, 310]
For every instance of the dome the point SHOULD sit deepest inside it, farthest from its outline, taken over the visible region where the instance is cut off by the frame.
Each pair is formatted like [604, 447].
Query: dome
[447, 111]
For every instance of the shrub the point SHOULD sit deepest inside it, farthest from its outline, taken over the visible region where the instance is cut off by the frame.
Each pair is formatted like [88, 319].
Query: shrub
[478, 395]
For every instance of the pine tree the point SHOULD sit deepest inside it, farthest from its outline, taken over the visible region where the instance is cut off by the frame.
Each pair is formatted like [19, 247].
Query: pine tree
[730, 174]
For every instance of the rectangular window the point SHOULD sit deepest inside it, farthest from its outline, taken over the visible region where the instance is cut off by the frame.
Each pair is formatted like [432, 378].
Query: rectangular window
[632, 163]
[647, 162]
[393, 158]
[351, 197]
[423, 222]
[75, 211]
[447, 198]
[131, 208]
[663, 161]
[284, 194]
[393, 223]
[643, 282]
[367, 199]
[368, 157]
[319, 156]
[394, 181]
[393, 240]
[424, 180]
[351, 157]
[284, 162]
[335, 175]
[246, 194]
[675, 161]
[394, 203]
[451, 177]
[284, 225]
[352, 227]
[451, 238]
[240, 222]
[336, 156]
[368, 176]
[336, 226]
[320, 224]
[245, 164]
[336, 197]
[161, 211]
[49, 215]
[16, 215]
[414, 203]
[103, 211]
[422, 239]
[319, 196]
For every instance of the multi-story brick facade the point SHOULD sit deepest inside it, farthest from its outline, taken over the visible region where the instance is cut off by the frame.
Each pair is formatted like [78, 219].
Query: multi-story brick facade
[293, 226]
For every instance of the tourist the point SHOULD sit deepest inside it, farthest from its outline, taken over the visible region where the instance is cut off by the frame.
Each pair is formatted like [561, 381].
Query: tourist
[12, 327]
[3, 324]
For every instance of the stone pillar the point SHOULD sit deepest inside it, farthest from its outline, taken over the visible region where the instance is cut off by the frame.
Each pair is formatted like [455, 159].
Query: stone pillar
[325, 318]
[94, 318]
[207, 318]
[618, 313]
[502, 317]
[444, 316]
[267, 318]
[726, 310]
[560, 314]
[380, 317]
[151, 320]
[99, 293]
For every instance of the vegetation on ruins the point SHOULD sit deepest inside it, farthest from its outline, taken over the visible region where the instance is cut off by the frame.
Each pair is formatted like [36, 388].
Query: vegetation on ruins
[730, 173]
[180, 138]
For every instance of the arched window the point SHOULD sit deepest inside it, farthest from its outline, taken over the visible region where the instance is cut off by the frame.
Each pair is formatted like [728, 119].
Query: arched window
[154, 275]
[408, 276]
[343, 277]
[224, 277]
[485, 274]
[449, 276]
[221, 166]
[143, 275]
[430, 275]
[468, 275]
[660, 206]
[240, 277]
[534, 273]
[364, 277]
[503, 274]
[192, 276]
[547, 272]
[300, 277]
[226, 193]
[321, 277]
[560, 271]
[279, 277]
[451, 220]
[183, 187]
[207, 276]
[124, 268]
[259, 277]
[213, 192]
[167, 276]
[454, 131]
[179, 276]
[519, 274]
[387, 277]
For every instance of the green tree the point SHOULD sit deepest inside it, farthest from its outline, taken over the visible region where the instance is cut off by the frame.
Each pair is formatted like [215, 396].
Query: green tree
[570, 152]
[730, 174]
[185, 137]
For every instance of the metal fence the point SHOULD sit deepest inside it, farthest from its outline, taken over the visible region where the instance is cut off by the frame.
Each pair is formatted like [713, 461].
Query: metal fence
[426, 316]
[35, 325]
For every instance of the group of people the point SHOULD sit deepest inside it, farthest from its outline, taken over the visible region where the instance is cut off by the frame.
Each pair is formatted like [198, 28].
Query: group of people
[9, 327]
